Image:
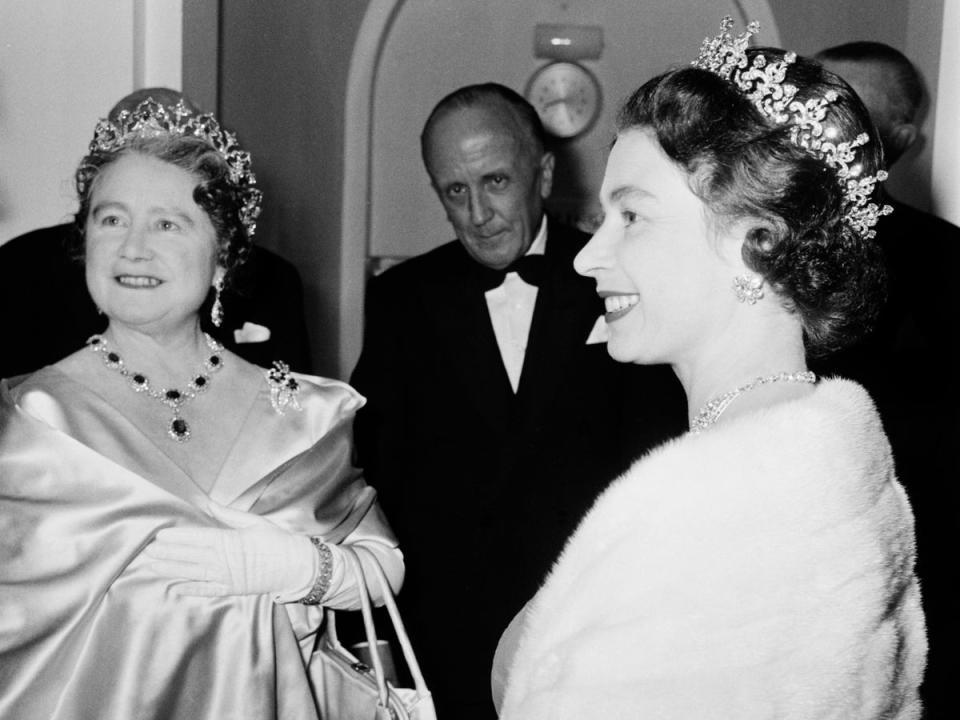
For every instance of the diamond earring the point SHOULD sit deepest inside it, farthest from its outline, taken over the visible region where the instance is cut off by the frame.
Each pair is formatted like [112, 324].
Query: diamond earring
[216, 312]
[748, 289]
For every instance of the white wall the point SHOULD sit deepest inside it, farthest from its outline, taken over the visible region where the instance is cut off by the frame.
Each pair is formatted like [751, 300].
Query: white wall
[946, 162]
[63, 63]
[912, 178]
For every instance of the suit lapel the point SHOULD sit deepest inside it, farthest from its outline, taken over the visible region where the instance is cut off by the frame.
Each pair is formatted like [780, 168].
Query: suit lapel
[566, 309]
[473, 355]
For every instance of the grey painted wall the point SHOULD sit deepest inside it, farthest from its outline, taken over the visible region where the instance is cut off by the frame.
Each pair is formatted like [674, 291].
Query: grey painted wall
[283, 73]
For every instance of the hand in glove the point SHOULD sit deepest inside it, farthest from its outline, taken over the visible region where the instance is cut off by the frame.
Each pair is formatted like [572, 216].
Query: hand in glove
[252, 557]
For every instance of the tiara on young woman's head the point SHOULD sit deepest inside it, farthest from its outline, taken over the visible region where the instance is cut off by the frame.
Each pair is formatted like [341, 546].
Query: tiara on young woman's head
[152, 119]
[762, 83]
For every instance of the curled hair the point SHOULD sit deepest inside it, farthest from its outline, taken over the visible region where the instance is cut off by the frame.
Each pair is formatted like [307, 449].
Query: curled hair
[743, 165]
[219, 198]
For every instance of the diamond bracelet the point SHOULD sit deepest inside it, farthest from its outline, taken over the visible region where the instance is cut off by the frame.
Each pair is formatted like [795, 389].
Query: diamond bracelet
[322, 583]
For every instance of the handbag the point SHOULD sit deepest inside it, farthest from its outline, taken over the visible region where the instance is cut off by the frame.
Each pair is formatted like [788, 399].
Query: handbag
[345, 688]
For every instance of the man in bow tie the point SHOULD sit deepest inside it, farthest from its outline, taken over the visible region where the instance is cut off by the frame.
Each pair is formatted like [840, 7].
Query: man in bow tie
[495, 415]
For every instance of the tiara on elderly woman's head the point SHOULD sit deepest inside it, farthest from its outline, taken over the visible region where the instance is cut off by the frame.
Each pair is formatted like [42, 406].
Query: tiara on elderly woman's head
[762, 83]
[151, 119]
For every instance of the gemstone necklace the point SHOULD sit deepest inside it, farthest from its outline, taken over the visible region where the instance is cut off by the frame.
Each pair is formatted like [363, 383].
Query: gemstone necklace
[712, 411]
[178, 429]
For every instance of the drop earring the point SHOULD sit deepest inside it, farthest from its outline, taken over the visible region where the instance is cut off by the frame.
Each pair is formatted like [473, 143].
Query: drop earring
[748, 289]
[216, 312]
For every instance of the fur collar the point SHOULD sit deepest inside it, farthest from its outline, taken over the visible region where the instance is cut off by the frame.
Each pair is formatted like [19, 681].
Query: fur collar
[754, 567]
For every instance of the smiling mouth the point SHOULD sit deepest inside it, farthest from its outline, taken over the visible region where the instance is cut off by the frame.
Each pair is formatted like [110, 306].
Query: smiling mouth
[138, 281]
[617, 306]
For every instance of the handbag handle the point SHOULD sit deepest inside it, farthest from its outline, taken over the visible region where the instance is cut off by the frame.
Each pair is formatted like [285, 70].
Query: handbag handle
[366, 610]
[398, 627]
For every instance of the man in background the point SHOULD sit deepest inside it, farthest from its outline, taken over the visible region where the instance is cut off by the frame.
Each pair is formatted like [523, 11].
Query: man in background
[910, 362]
[494, 415]
[43, 286]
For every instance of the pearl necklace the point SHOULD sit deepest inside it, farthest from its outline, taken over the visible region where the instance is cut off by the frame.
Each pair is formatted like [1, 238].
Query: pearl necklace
[178, 429]
[711, 412]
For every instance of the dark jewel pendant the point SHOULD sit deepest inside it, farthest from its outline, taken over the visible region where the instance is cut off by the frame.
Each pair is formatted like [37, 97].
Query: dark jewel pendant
[179, 430]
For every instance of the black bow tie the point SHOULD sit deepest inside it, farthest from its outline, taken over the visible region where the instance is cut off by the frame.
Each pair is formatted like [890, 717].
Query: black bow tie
[531, 269]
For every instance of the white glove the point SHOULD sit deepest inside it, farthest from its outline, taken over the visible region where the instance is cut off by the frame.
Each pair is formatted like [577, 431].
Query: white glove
[254, 558]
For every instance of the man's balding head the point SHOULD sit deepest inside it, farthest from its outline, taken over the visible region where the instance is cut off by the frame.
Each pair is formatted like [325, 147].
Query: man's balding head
[889, 85]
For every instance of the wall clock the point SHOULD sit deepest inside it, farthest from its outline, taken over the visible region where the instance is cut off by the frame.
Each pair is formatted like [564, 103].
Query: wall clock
[566, 96]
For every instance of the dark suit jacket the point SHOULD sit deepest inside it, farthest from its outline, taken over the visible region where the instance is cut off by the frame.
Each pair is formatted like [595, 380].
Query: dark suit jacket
[46, 311]
[481, 485]
[909, 364]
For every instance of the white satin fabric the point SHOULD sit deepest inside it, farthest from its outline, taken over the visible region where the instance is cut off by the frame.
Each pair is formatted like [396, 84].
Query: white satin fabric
[86, 632]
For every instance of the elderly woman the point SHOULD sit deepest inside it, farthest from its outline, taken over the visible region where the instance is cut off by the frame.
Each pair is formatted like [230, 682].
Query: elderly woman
[761, 566]
[171, 515]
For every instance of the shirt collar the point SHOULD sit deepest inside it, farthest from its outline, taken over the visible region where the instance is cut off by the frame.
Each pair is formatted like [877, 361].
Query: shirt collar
[539, 244]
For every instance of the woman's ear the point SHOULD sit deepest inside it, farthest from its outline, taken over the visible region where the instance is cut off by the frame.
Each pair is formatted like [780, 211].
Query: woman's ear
[759, 236]
[746, 238]
[743, 237]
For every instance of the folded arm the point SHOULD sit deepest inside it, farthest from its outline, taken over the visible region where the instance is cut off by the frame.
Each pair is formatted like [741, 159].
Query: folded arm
[254, 556]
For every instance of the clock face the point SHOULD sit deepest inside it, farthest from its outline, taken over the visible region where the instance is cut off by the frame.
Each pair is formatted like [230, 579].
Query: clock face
[566, 96]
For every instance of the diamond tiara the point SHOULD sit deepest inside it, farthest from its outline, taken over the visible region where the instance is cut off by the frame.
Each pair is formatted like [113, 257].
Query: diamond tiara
[762, 83]
[151, 119]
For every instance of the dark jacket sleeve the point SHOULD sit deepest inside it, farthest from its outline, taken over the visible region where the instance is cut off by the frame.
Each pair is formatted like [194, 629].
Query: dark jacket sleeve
[378, 376]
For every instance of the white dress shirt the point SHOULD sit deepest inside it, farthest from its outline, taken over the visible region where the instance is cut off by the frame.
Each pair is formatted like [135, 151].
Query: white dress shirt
[511, 312]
